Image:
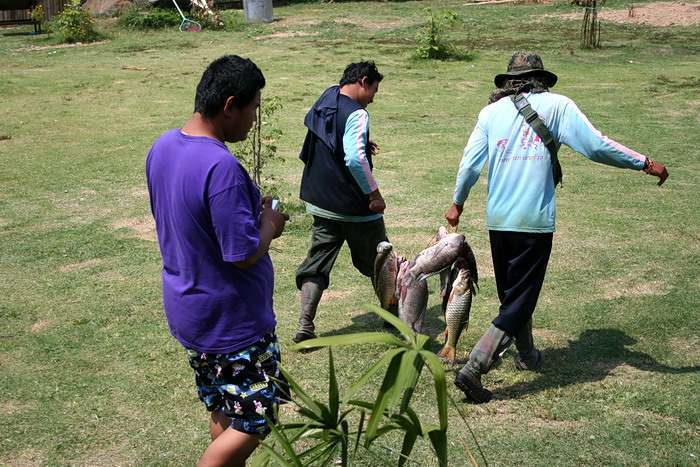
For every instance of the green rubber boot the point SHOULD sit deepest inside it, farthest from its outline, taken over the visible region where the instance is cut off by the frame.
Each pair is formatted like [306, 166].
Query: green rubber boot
[528, 357]
[310, 296]
[483, 356]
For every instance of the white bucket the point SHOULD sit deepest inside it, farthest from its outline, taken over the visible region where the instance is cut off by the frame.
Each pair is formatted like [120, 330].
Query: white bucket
[258, 11]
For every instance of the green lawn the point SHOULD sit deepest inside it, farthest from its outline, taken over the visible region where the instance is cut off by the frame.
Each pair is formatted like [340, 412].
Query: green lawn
[89, 372]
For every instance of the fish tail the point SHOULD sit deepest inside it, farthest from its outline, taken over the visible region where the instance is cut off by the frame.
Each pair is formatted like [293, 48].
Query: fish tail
[448, 353]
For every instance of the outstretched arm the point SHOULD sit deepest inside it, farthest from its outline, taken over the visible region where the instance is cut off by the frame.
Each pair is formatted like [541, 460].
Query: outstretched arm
[579, 134]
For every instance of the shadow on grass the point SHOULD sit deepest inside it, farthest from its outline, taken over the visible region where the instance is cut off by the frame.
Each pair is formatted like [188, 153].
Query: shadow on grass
[590, 358]
[369, 322]
[20, 33]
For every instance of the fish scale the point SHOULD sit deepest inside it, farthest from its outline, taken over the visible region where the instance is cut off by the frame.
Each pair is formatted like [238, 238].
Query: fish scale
[457, 312]
[386, 268]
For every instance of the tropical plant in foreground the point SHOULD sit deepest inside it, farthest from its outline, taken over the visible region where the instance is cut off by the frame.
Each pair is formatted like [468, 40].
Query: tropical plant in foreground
[325, 436]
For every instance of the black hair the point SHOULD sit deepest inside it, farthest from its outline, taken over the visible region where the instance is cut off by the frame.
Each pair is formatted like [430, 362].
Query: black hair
[356, 71]
[227, 76]
[531, 84]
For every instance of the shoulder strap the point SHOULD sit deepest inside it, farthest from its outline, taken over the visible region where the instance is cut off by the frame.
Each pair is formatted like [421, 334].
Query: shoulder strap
[542, 131]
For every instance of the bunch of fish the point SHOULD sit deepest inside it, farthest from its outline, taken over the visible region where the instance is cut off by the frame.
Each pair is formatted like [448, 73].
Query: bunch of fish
[402, 282]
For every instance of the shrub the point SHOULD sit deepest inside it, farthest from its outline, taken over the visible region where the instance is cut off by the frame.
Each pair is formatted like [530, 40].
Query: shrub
[75, 24]
[149, 18]
[261, 145]
[37, 13]
[233, 20]
[431, 38]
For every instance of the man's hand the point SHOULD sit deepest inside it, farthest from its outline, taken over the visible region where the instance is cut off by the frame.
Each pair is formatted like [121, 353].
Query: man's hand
[275, 218]
[452, 215]
[373, 148]
[376, 202]
[657, 169]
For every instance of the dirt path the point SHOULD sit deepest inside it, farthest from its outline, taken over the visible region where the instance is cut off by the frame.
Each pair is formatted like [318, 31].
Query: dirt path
[653, 14]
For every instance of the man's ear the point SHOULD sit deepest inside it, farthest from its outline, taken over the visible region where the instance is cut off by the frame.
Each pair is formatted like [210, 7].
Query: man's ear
[363, 81]
[229, 105]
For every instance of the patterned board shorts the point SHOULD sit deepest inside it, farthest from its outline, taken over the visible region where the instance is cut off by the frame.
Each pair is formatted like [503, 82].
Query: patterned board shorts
[245, 385]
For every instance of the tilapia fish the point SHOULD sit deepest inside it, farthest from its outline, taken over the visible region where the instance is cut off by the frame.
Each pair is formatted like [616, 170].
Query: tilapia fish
[438, 256]
[457, 306]
[413, 297]
[445, 273]
[386, 268]
[464, 252]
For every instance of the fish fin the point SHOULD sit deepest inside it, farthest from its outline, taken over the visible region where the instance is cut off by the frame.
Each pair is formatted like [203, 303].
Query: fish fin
[468, 254]
[448, 353]
[424, 275]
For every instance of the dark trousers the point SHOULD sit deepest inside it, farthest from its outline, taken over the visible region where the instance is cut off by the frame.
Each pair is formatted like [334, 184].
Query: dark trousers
[519, 263]
[327, 238]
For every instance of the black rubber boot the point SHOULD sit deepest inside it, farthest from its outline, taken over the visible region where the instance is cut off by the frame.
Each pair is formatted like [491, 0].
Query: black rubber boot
[485, 353]
[310, 296]
[528, 357]
[470, 384]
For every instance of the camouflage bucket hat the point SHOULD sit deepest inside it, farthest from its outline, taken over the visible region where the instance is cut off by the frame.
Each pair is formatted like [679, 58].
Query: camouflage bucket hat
[523, 65]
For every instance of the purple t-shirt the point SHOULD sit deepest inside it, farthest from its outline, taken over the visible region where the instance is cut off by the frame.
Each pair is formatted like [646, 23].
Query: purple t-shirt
[206, 209]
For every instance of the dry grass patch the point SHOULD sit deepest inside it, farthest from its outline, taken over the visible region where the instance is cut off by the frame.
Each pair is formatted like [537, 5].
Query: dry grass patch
[633, 285]
[662, 14]
[41, 325]
[116, 455]
[375, 24]
[550, 337]
[330, 295]
[73, 267]
[688, 347]
[27, 458]
[285, 35]
[33, 48]
[142, 227]
[13, 407]
[623, 373]
[111, 276]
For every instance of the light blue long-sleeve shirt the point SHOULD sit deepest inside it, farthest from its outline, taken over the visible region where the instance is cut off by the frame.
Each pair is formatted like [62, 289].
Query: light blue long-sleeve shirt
[354, 145]
[521, 192]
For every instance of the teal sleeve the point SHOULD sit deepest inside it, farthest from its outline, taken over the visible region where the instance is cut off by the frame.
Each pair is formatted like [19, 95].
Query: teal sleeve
[354, 145]
[579, 134]
[473, 159]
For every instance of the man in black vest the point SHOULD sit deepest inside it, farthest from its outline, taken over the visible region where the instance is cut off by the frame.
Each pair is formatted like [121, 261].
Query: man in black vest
[338, 186]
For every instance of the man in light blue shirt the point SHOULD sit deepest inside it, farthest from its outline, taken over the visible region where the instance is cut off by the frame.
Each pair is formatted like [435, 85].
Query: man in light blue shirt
[521, 208]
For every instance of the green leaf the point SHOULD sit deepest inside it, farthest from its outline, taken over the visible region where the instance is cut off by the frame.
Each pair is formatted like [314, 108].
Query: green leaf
[435, 366]
[438, 439]
[286, 445]
[393, 320]
[382, 399]
[271, 452]
[408, 441]
[333, 400]
[351, 339]
[310, 404]
[360, 427]
[362, 404]
[261, 458]
[383, 360]
[406, 379]
[320, 450]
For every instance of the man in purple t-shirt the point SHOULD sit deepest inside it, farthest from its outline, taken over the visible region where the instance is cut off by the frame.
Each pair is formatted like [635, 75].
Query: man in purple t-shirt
[214, 231]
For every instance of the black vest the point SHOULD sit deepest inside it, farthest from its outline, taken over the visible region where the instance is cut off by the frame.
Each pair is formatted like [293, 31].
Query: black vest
[326, 181]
